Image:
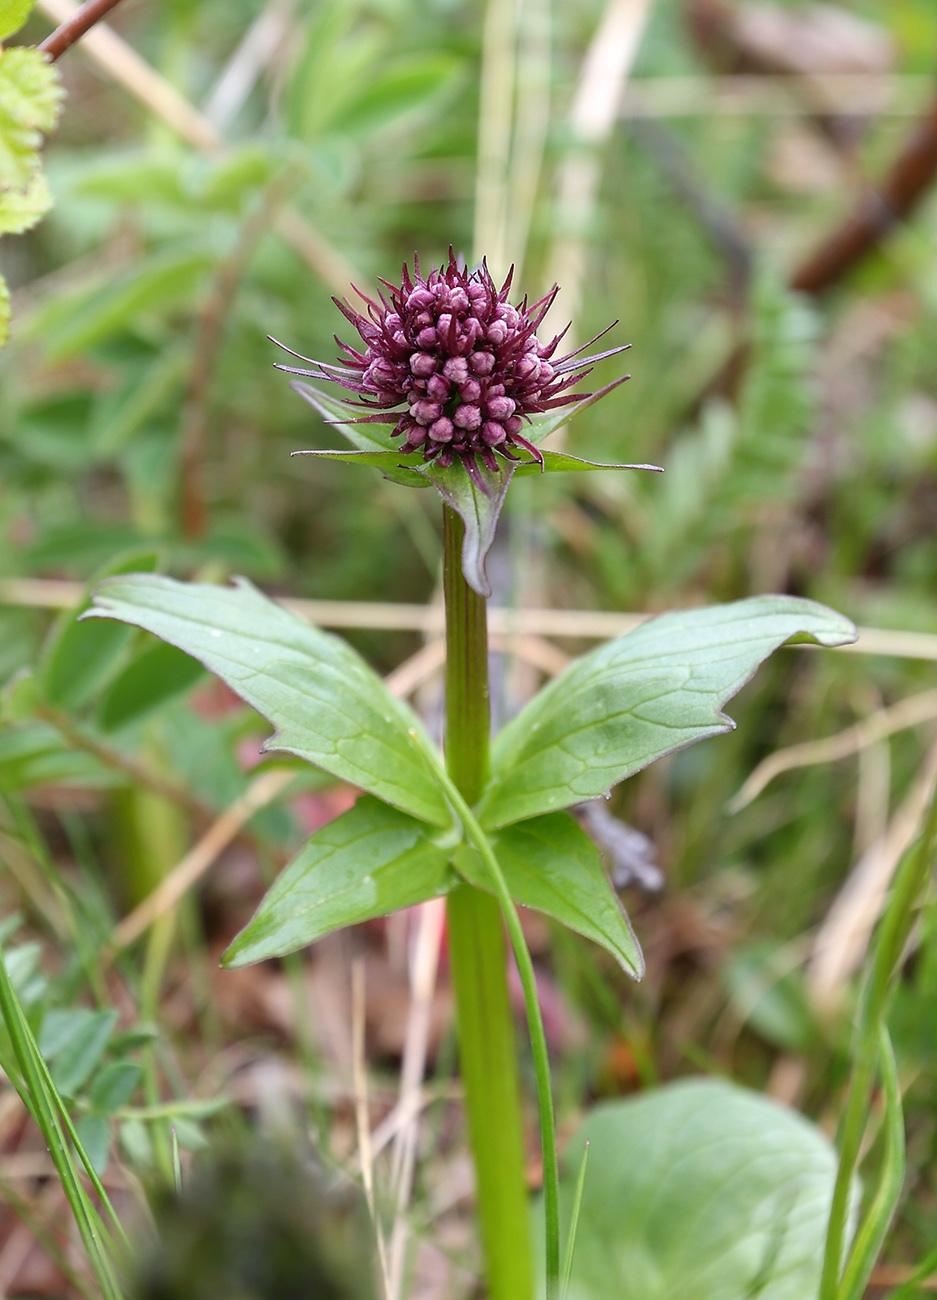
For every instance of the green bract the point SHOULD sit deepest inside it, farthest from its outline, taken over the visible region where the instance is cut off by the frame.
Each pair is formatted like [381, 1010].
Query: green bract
[609, 714]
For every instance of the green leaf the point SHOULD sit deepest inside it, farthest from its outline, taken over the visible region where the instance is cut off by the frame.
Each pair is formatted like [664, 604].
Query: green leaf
[550, 864]
[13, 13]
[327, 705]
[95, 1136]
[30, 96]
[557, 461]
[541, 426]
[80, 656]
[157, 675]
[74, 1041]
[73, 323]
[114, 1085]
[21, 209]
[388, 462]
[643, 695]
[393, 90]
[370, 861]
[365, 437]
[701, 1190]
[480, 512]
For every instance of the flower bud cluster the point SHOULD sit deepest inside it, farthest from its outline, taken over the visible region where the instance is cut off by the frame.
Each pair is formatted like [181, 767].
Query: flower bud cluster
[466, 365]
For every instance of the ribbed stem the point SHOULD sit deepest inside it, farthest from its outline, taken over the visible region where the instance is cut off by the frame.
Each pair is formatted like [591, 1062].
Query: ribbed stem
[478, 957]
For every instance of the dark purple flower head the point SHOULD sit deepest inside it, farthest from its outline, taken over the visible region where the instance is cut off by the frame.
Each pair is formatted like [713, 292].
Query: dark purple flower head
[454, 367]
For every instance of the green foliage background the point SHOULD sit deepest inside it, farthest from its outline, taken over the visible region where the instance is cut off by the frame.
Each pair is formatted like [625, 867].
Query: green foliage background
[139, 379]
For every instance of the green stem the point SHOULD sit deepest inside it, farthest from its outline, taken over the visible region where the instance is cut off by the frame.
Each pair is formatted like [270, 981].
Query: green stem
[910, 881]
[478, 961]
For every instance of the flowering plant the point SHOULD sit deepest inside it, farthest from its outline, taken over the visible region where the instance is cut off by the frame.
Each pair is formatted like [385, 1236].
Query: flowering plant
[487, 827]
[480, 392]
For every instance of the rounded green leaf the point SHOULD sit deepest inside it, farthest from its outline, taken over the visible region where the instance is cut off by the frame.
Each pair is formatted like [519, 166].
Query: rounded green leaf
[699, 1190]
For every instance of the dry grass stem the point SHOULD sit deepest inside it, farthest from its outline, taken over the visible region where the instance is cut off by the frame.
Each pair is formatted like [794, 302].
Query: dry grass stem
[594, 111]
[362, 1117]
[423, 970]
[910, 712]
[841, 942]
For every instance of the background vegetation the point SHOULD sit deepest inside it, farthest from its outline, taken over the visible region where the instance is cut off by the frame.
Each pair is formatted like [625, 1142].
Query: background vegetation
[280, 151]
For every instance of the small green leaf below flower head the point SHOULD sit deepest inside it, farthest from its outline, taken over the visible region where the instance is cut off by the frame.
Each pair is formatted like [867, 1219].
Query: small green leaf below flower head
[479, 510]
[556, 462]
[370, 861]
[365, 437]
[547, 422]
[328, 706]
[550, 864]
[388, 462]
[639, 697]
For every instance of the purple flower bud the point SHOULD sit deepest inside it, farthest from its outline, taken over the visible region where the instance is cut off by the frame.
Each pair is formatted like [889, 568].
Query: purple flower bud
[513, 426]
[438, 388]
[467, 416]
[422, 364]
[442, 430]
[470, 390]
[420, 299]
[426, 412]
[497, 332]
[499, 408]
[481, 363]
[459, 300]
[493, 434]
[456, 369]
[416, 436]
[427, 338]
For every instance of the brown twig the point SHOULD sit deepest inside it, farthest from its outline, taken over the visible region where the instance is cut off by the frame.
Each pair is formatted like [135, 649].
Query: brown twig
[65, 36]
[877, 212]
[123, 763]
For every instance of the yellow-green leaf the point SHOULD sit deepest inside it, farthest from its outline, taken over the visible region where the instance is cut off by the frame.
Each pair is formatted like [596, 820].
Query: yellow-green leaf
[21, 209]
[30, 96]
[13, 13]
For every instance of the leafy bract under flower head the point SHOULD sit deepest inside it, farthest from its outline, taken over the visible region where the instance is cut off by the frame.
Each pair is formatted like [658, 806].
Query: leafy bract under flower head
[454, 367]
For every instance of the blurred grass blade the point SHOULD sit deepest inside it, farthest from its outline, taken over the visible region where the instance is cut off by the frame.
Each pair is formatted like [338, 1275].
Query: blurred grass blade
[574, 1224]
[42, 1100]
[871, 1234]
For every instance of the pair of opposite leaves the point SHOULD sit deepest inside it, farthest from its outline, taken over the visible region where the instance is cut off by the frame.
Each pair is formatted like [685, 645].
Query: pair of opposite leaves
[609, 714]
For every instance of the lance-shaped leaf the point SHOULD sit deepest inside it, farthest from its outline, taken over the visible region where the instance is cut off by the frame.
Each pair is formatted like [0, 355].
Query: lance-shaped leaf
[542, 425]
[555, 462]
[370, 861]
[388, 462]
[550, 864]
[643, 695]
[480, 511]
[373, 438]
[328, 706]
